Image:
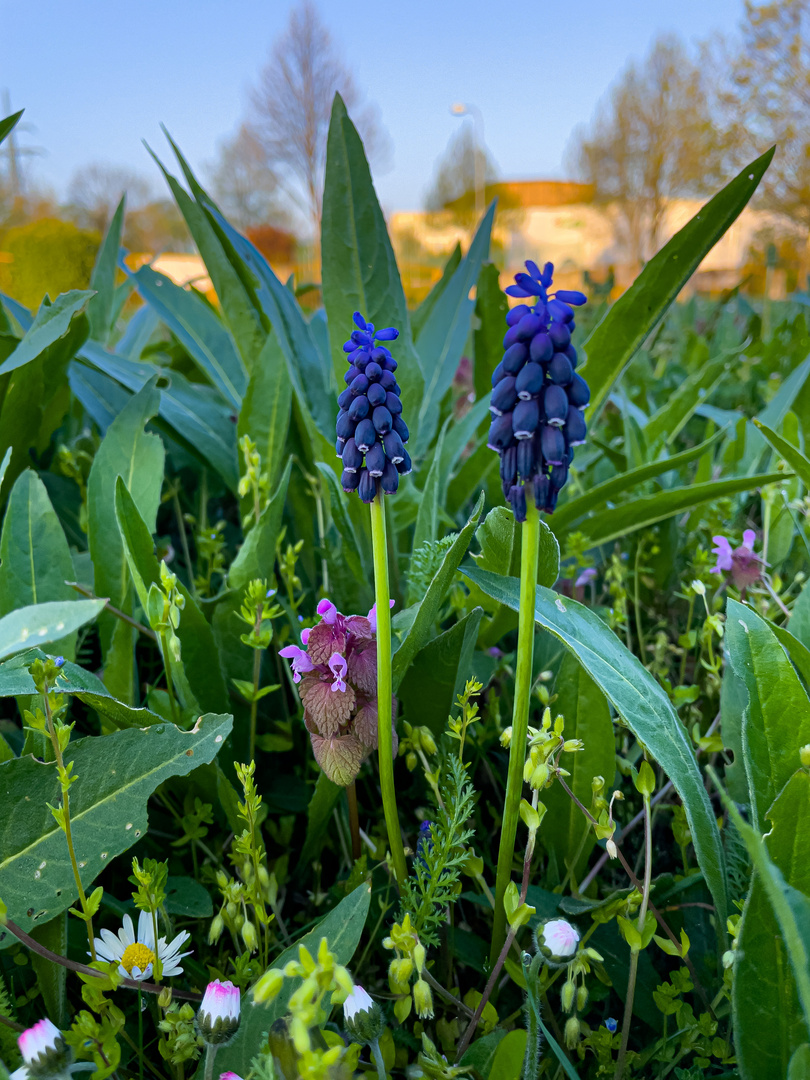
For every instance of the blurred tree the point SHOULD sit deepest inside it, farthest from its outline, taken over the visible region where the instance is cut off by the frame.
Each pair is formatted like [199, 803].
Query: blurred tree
[245, 184]
[651, 139]
[292, 102]
[765, 99]
[155, 227]
[47, 256]
[456, 171]
[96, 189]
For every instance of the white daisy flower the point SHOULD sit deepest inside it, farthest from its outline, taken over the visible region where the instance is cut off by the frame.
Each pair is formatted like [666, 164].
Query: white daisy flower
[43, 1052]
[136, 953]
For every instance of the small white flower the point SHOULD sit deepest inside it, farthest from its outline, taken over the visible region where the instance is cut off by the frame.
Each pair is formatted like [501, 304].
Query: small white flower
[20, 1074]
[561, 937]
[359, 1000]
[136, 953]
[41, 1039]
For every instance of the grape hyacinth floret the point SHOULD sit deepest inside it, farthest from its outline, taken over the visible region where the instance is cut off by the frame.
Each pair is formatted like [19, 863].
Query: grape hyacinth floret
[337, 676]
[371, 433]
[537, 396]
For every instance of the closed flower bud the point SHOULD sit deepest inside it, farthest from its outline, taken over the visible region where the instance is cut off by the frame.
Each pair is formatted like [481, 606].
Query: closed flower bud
[367, 488]
[423, 1000]
[567, 995]
[404, 467]
[363, 1016]
[419, 957]
[553, 444]
[541, 349]
[582, 998]
[515, 357]
[515, 314]
[390, 478]
[559, 369]
[578, 393]
[359, 408]
[350, 480]
[375, 459]
[44, 1051]
[219, 1013]
[401, 428]
[376, 393]
[572, 1029]
[504, 396]
[382, 420]
[269, 985]
[401, 970]
[393, 404]
[555, 405]
[216, 928]
[529, 381]
[575, 427]
[557, 939]
[365, 436]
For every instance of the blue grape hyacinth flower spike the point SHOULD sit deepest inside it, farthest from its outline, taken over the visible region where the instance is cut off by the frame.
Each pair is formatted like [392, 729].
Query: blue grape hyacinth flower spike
[537, 395]
[371, 433]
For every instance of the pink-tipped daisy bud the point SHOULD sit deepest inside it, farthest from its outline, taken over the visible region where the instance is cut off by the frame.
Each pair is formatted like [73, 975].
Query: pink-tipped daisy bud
[218, 1015]
[43, 1050]
[364, 1018]
[557, 940]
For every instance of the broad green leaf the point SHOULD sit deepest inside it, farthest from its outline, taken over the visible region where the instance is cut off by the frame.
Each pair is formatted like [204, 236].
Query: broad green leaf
[198, 650]
[481, 1055]
[108, 809]
[257, 555]
[419, 632]
[16, 681]
[35, 562]
[777, 720]
[342, 928]
[641, 703]
[508, 1061]
[565, 831]
[420, 314]
[136, 456]
[265, 414]
[666, 424]
[773, 416]
[355, 549]
[40, 624]
[8, 123]
[491, 307]
[359, 268]
[647, 510]
[733, 700]
[101, 310]
[51, 323]
[442, 339]
[789, 453]
[458, 434]
[573, 509]
[427, 519]
[771, 988]
[101, 397]
[437, 675]
[4, 466]
[616, 339]
[799, 1067]
[198, 330]
[239, 311]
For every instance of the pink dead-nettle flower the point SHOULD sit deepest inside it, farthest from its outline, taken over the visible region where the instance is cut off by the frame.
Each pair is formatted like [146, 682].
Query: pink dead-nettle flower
[744, 566]
[337, 673]
[372, 615]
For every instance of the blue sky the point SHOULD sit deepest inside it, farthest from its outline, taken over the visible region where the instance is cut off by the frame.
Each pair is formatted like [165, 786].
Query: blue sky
[98, 76]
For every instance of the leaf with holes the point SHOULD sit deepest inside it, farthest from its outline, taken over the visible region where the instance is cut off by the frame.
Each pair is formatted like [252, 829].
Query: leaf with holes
[108, 809]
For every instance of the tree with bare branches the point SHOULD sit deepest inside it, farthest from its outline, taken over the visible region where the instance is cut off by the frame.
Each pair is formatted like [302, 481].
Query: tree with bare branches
[245, 184]
[292, 102]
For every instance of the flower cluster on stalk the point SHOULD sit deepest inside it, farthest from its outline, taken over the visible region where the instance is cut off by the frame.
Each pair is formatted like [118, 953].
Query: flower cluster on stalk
[371, 433]
[537, 396]
[336, 672]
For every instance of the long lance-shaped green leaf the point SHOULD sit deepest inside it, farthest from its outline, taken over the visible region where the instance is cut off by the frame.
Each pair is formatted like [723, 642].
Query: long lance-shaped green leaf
[790, 453]
[8, 123]
[52, 322]
[40, 624]
[608, 490]
[615, 340]
[108, 809]
[649, 509]
[641, 703]
[102, 306]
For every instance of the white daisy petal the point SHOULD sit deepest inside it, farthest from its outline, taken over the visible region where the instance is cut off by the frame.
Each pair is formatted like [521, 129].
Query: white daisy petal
[146, 932]
[112, 943]
[104, 952]
[127, 933]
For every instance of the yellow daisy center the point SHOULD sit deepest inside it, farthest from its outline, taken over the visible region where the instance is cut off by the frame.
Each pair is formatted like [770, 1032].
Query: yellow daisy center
[137, 956]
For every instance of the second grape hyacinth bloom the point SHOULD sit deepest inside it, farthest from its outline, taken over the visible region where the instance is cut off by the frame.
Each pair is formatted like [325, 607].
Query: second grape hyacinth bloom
[537, 396]
[371, 433]
[337, 675]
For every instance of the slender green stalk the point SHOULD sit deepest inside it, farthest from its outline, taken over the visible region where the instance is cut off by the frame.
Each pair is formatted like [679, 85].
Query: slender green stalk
[164, 648]
[354, 820]
[385, 742]
[520, 721]
[210, 1054]
[376, 1053]
[642, 918]
[257, 672]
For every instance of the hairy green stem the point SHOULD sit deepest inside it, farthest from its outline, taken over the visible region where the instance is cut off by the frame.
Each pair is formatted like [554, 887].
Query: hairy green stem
[257, 672]
[210, 1054]
[376, 1053]
[520, 721]
[385, 741]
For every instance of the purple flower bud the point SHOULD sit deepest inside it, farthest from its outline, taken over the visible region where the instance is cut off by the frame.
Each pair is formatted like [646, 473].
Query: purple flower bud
[359, 321]
[504, 396]
[344, 426]
[515, 314]
[388, 380]
[345, 399]
[528, 326]
[365, 436]
[560, 370]
[405, 466]
[533, 269]
[552, 442]
[541, 488]
[349, 480]
[517, 497]
[390, 478]
[514, 358]
[571, 296]
[555, 404]
[559, 475]
[389, 334]
[376, 394]
[59, 661]
[352, 457]
[359, 408]
[373, 370]
[510, 337]
[559, 311]
[339, 444]
[394, 449]
[382, 420]
[526, 458]
[578, 393]
[500, 433]
[529, 381]
[529, 285]
[362, 361]
[525, 419]
[559, 334]
[390, 364]
[401, 428]
[571, 353]
[358, 385]
[575, 427]
[498, 374]
[350, 374]
[367, 488]
[392, 403]
[515, 290]
[509, 465]
[541, 349]
[375, 459]
[349, 346]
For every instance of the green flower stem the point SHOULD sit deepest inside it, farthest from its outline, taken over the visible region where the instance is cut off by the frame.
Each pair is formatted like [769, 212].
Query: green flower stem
[520, 721]
[257, 673]
[354, 820]
[376, 1053]
[210, 1054]
[385, 742]
[167, 664]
